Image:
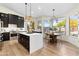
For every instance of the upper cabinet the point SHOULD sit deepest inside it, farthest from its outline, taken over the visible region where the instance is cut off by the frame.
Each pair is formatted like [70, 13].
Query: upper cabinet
[20, 22]
[5, 19]
[12, 19]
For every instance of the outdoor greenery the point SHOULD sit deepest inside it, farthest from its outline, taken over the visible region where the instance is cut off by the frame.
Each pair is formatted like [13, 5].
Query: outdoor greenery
[62, 23]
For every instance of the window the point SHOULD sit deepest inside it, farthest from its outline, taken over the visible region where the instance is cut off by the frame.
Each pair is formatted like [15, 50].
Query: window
[59, 25]
[73, 25]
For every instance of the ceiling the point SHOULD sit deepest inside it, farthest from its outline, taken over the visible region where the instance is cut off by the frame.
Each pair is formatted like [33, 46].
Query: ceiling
[41, 9]
[17, 7]
[61, 9]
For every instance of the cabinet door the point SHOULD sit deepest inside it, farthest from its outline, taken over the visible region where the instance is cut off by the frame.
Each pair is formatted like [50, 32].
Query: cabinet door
[4, 18]
[22, 19]
[20, 38]
[11, 19]
[6, 21]
[2, 15]
[5, 36]
[24, 40]
[15, 19]
[20, 22]
[27, 42]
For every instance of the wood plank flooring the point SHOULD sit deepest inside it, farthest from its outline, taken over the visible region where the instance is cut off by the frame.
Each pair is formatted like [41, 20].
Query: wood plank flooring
[62, 48]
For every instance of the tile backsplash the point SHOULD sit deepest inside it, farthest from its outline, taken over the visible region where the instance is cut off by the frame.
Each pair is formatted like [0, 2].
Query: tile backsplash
[12, 27]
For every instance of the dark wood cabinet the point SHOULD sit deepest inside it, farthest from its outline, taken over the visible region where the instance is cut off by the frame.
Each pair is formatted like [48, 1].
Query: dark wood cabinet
[24, 40]
[16, 18]
[20, 22]
[12, 19]
[5, 36]
[5, 19]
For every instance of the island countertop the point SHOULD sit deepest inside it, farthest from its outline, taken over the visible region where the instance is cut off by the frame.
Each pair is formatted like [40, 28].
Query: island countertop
[30, 34]
[35, 41]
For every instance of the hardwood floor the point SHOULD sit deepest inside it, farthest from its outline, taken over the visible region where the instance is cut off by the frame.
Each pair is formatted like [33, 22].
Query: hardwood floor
[62, 48]
[12, 48]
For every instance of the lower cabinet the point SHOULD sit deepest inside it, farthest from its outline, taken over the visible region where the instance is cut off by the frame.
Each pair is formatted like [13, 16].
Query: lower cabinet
[5, 36]
[24, 40]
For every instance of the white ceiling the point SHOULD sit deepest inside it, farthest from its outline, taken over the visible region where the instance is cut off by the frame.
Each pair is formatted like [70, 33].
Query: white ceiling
[41, 9]
[17, 7]
[46, 8]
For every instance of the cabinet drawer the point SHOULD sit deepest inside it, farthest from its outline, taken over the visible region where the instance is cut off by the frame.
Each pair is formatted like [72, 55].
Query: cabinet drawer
[24, 40]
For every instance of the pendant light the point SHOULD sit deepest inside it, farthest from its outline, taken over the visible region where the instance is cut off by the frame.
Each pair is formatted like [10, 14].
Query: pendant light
[26, 10]
[54, 17]
[53, 12]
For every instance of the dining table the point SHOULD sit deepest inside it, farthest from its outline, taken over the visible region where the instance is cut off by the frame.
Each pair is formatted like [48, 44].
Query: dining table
[53, 37]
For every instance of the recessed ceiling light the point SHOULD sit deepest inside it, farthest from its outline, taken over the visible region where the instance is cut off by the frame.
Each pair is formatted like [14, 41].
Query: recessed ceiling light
[39, 8]
[32, 12]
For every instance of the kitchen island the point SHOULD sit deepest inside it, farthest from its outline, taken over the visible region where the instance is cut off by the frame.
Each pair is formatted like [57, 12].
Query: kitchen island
[32, 42]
